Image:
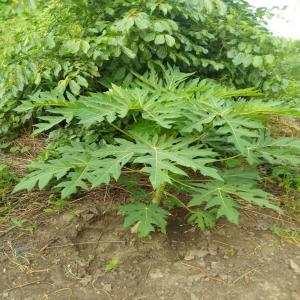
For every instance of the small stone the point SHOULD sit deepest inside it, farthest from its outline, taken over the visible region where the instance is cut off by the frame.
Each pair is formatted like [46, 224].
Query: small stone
[66, 217]
[179, 266]
[221, 232]
[189, 256]
[294, 267]
[224, 277]
[196, 254]
[263, 227]
[86, 280]
[295, 296]
[189, 283]
[82, 262]
[131, 275]
[22, 249]
[194, 297]
[195, 278]
[5, 295]
[106, 286]
[213, 252]
[202, 263]
[156, 274]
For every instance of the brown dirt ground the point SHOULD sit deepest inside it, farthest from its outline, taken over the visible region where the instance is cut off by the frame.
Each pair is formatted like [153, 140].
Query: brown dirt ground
[66, 255]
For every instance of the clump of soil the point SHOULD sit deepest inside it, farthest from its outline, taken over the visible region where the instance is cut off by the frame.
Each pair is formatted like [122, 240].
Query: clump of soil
[66, 258]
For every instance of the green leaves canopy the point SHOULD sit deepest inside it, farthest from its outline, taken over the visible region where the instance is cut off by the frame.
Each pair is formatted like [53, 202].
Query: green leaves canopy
[76, 65]
[63, 45]
[222, 194]
[76, 168]
[166, 127]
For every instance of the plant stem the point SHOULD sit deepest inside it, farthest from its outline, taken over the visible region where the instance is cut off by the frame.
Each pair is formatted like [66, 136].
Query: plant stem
[182, 203]
[184, 184]
[228, 158]
[121, 130]
[159, 193]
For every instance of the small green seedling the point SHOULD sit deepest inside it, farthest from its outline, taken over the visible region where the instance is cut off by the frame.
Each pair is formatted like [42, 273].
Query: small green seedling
[30, 229]
[17, 223]
[55, 204]
[4, 146]
[75, 213]
[231, 252]
[19, 149]
[112, 264]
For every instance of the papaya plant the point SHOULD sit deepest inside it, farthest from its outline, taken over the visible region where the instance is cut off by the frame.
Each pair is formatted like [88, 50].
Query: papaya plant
[171, 127]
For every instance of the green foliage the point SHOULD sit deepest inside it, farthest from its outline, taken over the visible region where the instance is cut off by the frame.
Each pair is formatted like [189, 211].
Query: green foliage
[223, 194]
[166, 127]
[66, 45]
[14, 149]
[286, 82]
[202, 219]
[56, 205]
[73, 69]
[112, 264]
[97, 166]
[12, 8]
[292, 236]
[144, 217]
[7, 178]
[133, 186]
[289, 177]
[289, 66]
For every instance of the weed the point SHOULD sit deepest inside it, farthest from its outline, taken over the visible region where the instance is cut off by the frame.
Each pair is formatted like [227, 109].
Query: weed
[231, 252]
[20, 149]
[112, 264]
[7, 178]
[75, 213]
[20, 224]
[14, 149]
[292, 236]
[17, 223]
[288, 177]
[56, 205]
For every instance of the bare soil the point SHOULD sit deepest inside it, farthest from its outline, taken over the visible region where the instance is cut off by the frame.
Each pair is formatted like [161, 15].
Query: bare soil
[66, 255]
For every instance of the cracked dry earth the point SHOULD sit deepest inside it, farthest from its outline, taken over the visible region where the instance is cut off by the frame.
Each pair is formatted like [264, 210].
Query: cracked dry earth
[65, 258]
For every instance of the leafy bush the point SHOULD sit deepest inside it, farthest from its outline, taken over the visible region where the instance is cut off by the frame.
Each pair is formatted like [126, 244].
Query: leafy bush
[167, 127]
[75, 66]
[66, 45]
[289, 66]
